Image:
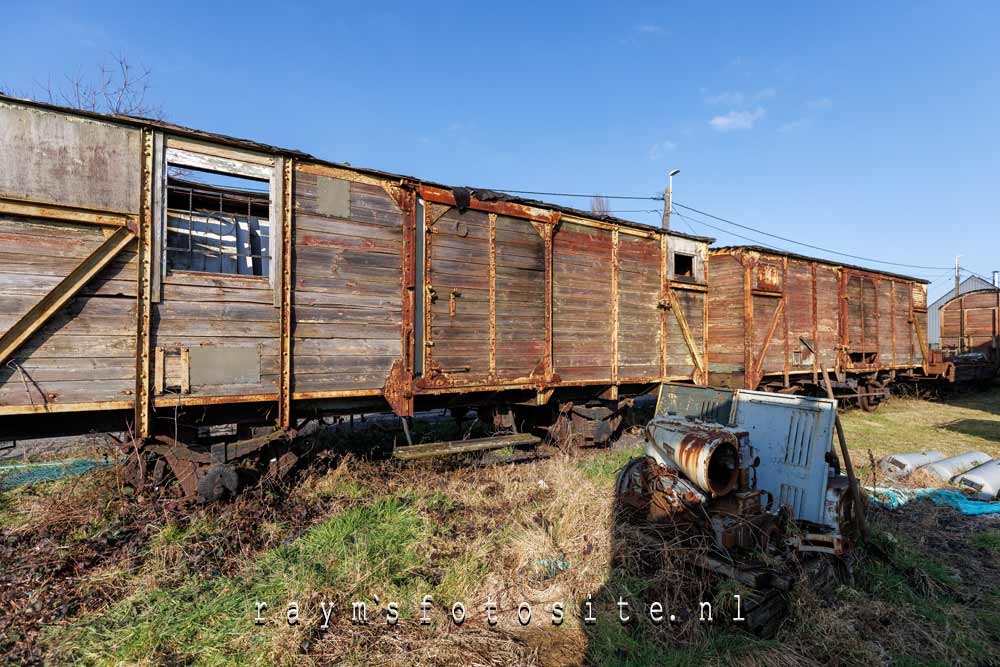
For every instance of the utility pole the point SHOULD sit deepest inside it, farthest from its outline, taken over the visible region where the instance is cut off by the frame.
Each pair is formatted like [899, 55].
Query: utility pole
[668, 202]
[957, 270]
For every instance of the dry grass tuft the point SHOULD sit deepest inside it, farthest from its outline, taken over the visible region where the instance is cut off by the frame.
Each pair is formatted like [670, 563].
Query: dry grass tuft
[410, 644]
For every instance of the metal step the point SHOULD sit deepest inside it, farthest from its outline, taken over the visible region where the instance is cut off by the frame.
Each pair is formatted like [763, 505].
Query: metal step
[422, 451]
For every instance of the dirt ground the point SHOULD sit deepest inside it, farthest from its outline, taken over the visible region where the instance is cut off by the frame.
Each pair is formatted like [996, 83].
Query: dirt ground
[92, 574]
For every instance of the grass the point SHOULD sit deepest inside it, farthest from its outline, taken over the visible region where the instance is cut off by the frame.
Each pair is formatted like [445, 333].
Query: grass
[185, 592]
[603, 465]
[988, 539]
[377, 544]
[953, 425]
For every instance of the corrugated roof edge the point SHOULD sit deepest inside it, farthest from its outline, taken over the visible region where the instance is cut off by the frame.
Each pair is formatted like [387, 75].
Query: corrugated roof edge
[820, 260]
[256, 146]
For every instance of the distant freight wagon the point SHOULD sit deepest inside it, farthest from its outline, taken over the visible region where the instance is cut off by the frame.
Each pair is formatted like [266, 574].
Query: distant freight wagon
[970, 332]
[777, 319]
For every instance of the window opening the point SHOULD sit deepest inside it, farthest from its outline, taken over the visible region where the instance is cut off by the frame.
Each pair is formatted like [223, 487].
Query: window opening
[217, 223]
[683, 265]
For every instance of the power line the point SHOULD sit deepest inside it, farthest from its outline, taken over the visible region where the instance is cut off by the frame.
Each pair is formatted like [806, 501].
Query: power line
[720, 229]
[758, 241]
[977, 275]
[809, 245]
[730, 222]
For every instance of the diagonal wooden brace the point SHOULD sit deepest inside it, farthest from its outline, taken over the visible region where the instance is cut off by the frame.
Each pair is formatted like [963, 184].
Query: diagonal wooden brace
[759, 363]
[675, 306]
[60, 295]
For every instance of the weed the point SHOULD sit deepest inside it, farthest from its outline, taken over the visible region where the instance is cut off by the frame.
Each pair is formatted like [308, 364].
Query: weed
[988, 539]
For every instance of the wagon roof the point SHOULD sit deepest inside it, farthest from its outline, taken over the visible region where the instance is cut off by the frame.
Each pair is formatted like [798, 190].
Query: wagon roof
[247, 144]
[818, 260]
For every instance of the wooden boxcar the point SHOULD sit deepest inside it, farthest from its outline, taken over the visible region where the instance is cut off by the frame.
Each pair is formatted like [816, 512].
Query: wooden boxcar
[970, 326]
[134, 296]
[777, 319]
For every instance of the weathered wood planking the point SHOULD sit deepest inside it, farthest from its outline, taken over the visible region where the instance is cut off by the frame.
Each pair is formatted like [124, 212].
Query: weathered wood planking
[638, 312]
[885, 321]
[520, 298]
[89, 341]
[459, 302]
[727, 323]
[219, 312]
[581, 328]
[57, 158]
[680, 362]
[347, 297]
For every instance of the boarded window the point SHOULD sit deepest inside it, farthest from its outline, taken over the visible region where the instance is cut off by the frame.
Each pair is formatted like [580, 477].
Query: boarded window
[218, 223]
[769, 277]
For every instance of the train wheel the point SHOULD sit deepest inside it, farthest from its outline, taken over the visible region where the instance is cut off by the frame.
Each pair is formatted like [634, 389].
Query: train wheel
[868, 403]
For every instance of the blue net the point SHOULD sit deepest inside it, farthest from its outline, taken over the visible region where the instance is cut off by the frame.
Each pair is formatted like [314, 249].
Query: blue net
[33, 473]
[893, 497]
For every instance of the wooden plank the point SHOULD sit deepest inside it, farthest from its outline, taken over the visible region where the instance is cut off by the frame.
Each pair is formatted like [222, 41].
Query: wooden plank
[216, 163]
[57, 212]
[426, 450]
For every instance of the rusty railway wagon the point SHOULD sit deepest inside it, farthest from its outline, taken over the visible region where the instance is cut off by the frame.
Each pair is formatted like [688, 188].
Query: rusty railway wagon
[160, 280]
[970, 334]
[776, 320]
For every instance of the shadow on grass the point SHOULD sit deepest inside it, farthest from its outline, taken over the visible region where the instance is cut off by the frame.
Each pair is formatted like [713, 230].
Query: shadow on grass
[650, 565]
[988, 429]
[982, 396]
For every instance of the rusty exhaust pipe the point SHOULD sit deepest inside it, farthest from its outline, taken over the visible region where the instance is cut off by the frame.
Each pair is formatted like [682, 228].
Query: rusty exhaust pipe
[708, 455]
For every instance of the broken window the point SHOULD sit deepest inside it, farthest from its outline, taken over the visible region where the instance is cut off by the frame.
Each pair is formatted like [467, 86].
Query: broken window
[683, 265]
[217, 223]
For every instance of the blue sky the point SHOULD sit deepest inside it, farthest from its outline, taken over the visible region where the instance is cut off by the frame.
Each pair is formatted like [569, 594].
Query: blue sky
[865, 129]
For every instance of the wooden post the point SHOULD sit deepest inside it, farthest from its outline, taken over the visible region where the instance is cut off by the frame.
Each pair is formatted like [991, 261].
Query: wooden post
[492, 217]
[285, 388]
[614, 308]
[144, 292]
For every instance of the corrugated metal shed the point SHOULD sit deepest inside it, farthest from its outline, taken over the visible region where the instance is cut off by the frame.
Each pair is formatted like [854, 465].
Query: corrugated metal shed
[970, 284]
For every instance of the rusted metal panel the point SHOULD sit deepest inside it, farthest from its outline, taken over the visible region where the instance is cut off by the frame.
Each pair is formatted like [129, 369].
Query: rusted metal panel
[447, 197]
[47, 157]
[768, 276]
